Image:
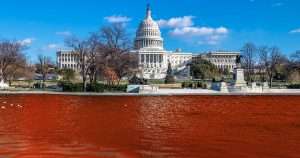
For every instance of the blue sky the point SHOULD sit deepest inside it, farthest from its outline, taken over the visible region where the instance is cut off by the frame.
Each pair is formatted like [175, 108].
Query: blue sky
[192, 25]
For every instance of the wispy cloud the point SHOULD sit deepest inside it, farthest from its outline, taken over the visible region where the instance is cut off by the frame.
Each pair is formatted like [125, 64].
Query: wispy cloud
[117, 19]
[64, 33]
[295, 31]
[50, 47]
[278, 4]
[185, 28]
[26, 41]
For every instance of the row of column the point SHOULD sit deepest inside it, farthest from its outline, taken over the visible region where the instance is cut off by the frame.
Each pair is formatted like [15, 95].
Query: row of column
[149, 33]
[151, 58]
[147, 43]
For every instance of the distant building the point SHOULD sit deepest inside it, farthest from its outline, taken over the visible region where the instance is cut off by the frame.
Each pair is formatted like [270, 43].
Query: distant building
[67, 59]
[223, 60]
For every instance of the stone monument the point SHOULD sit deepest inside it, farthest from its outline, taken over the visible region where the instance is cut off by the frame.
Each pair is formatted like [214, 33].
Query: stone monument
[3, 85]
[223, 87]
[239, 76]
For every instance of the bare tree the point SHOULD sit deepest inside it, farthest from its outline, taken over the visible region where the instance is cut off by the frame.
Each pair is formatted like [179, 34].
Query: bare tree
[249, 55]
[81, 47]
[115, 36]
[263, 62]
[274, 60]
[269, 60]
[94, 45]
[105, 50]
[10, 56]
[295, 59]
[115, 53]
[17, 70]
[44, 67]
[294, 68]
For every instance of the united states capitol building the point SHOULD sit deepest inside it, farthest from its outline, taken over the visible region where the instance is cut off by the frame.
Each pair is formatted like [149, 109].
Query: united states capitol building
[154, 59]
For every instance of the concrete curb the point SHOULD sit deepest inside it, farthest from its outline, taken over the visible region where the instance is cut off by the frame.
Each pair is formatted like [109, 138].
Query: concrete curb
[149, 94]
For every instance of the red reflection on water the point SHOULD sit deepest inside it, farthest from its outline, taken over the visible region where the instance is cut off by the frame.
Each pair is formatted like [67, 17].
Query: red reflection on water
[141, 127]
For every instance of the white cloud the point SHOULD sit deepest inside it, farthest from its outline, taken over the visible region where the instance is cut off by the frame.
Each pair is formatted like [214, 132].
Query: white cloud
[64, 33]
[26, 41]
[117, 19]
[204, 35]
[184, 28]
[199, 31]
[177, 22]
[295, 31]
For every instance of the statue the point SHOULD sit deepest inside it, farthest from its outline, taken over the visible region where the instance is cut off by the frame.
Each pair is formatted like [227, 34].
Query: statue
[238, 61]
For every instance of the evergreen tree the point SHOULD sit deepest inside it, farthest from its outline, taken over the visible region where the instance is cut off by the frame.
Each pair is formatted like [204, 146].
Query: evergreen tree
[203, 69]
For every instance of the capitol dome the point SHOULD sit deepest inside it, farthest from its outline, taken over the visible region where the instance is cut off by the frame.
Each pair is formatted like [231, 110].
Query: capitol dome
[148, 35]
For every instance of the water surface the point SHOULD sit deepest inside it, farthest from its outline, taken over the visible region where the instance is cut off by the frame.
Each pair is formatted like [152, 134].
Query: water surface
[57, 126]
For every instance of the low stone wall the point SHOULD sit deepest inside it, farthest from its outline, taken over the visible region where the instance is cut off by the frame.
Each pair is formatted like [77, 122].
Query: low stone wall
[169, 86]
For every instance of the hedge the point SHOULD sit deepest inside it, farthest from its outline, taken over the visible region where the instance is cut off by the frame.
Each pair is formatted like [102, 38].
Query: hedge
[294, 86]
[98, 87]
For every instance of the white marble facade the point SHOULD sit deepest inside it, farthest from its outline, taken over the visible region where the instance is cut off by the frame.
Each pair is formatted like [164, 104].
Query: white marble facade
[67, 59]
[153, 58]
[223, 60]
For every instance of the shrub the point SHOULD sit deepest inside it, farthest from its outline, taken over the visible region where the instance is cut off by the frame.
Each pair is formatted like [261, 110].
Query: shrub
[97, 87]
[194, 85]
[71, 87]
[294, 86]
[39, 85]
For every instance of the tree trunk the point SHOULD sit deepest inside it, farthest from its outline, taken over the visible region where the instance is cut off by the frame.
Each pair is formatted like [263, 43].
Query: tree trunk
[84, 84]
[271, 81]
[1, 75]
[44, 83]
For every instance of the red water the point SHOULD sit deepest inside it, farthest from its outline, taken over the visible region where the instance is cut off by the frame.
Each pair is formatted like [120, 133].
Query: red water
[53, 126]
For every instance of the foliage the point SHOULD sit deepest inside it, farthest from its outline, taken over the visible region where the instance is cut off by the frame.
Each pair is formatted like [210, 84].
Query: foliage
[194, 85]
[95, 87]
[39, 85]
[110, 76]
[294, 86]
[294, 76]
[203, 69]
[67, 74]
